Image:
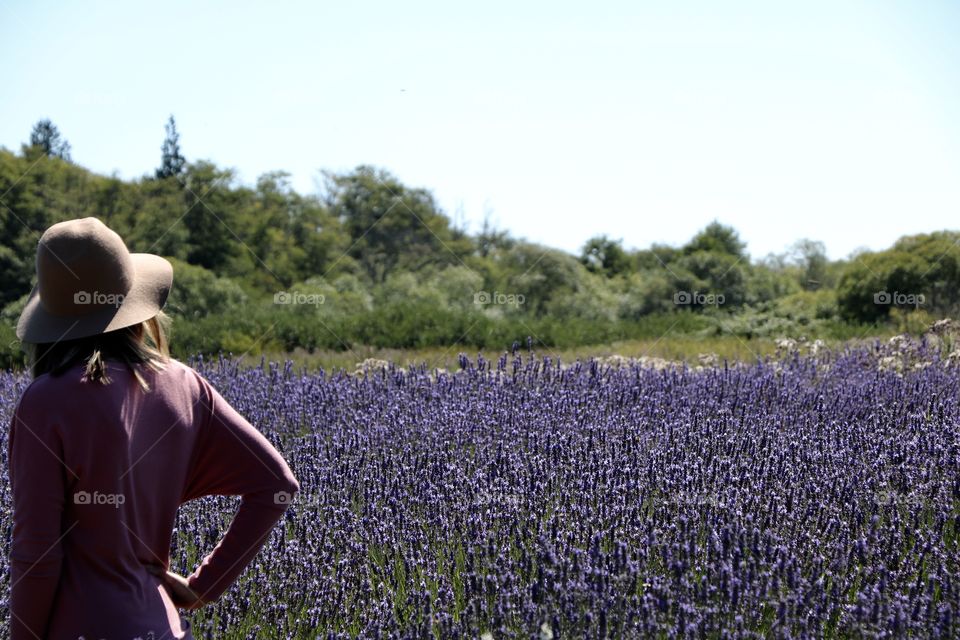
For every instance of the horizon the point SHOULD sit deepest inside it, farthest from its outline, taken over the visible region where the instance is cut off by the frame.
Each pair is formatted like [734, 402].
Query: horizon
[640, 123]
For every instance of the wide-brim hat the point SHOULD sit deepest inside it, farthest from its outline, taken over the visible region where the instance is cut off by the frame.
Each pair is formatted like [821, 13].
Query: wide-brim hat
[89, 283]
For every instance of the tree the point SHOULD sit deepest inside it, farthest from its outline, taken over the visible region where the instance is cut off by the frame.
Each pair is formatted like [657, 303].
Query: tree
[921, 271]
[717, 238]
[714, 272]
[172, 163]
[211, 211]
[658, 256]
[490, 239]
[47, 138]
[811, 257]
[392, 226]
[198, 292]
[540, 274]
[602, 255]
[289, 237]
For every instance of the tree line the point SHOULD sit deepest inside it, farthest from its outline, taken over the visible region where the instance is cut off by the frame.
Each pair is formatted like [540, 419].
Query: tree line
[383, 265]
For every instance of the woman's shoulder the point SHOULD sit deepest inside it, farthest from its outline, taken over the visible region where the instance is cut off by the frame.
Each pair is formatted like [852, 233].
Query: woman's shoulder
[178, 374]
[172, 372]
[65, 393]
[184, 378]
[53, 384]
[51, 392]
[182, 370]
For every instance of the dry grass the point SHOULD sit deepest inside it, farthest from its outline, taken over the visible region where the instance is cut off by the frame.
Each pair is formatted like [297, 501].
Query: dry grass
[681, 348]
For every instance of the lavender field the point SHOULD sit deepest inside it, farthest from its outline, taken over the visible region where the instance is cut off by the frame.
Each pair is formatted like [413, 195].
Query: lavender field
[813, 495]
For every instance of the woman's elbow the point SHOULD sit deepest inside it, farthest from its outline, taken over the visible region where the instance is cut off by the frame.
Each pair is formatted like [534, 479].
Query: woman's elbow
[286, 489]
[293, 485]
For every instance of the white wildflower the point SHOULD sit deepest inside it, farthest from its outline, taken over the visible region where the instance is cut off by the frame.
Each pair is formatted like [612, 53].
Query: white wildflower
[708, 359]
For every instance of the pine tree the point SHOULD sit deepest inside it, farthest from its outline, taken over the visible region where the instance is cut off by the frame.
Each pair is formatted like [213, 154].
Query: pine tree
[46, 136]
[172, 163]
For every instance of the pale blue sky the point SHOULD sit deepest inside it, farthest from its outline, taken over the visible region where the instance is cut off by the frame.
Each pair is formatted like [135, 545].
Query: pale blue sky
[837, 120]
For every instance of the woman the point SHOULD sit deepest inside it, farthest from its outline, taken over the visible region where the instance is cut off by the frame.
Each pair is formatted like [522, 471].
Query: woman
[109, 439]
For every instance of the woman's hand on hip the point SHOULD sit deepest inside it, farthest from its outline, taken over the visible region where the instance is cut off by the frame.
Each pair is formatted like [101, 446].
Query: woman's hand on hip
[180, 592]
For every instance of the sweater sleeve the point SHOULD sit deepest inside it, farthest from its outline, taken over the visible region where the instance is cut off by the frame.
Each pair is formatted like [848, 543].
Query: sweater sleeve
[233, 458]
[38, 485]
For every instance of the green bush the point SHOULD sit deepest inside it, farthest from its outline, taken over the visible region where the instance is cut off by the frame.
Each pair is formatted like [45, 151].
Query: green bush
[919, 272]
[808, 305]
[198, 292]
[11, 354]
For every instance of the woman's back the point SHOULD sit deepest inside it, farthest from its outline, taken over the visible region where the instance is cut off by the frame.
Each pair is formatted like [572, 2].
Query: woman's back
[98, 472]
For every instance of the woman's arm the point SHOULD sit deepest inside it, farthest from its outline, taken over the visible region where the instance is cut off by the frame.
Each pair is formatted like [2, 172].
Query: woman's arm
[234, 458]
[38, 484]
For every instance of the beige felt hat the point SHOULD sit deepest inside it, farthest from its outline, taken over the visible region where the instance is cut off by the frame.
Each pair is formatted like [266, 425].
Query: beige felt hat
[88, 283]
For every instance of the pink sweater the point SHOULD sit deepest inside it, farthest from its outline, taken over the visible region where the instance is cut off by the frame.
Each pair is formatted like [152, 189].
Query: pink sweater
[97, 473]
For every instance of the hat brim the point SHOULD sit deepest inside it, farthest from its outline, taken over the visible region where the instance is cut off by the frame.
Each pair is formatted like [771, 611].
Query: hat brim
[153, 277]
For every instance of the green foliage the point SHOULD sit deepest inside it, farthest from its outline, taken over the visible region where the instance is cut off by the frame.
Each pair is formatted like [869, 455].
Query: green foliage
[237, 333]
[763, 321]
[417, 323]
[646, 292]
[810, 257]
[658, 256]
[540, 275]
[38, 191]
[765, 284]
[374, 263]
[210, 216]
[151, 212]
[921, 271]
[913, 321]
[197, 293]
[605, 256]
[11, 355]
[406, 287]
[393, 226]
[286, 237]
[719, 239]
[806, 306]
[717, 273]
[457, 285]
[591, 300]
[491, 241]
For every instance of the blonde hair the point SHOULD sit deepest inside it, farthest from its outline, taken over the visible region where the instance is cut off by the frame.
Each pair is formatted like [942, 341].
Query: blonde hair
[142, 343]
